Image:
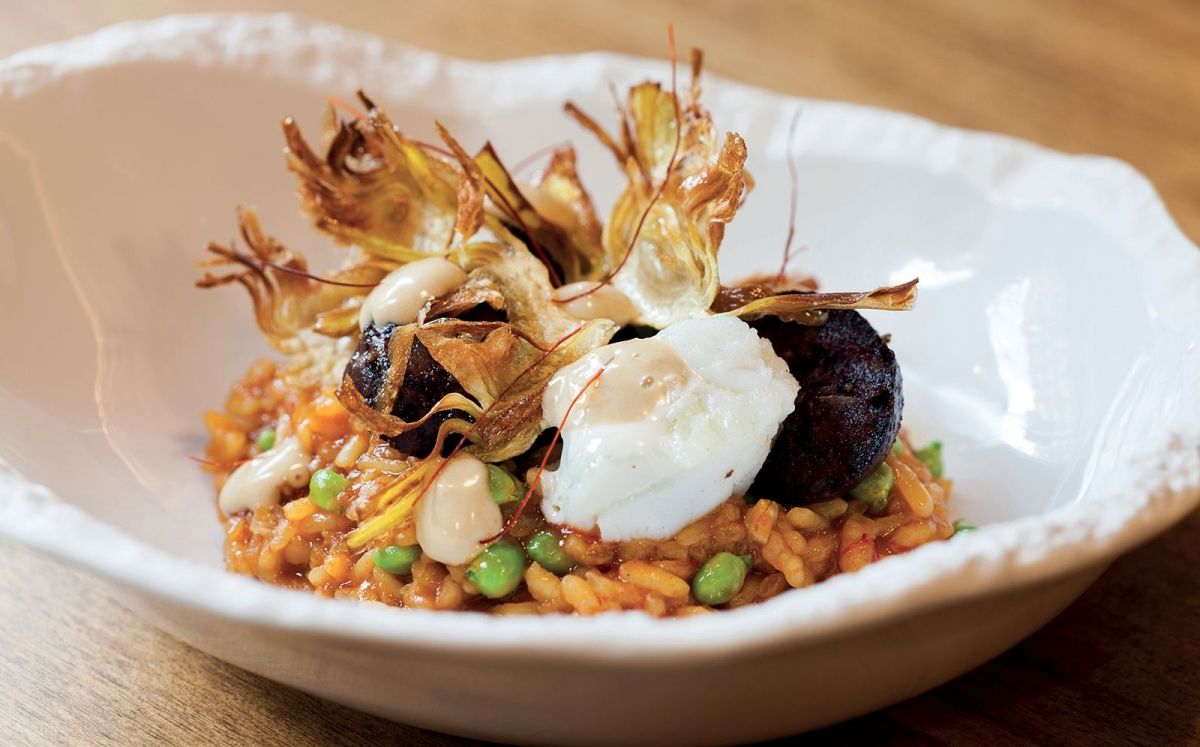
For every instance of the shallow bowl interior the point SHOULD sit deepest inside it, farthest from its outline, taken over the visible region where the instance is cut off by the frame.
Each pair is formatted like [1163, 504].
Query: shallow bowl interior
[1049, 350]
[1054, 349]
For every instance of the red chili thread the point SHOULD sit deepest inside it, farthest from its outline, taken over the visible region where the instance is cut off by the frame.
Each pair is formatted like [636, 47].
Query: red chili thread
[530, 159]
[342, 103]
[218, 465]
[263, 263]
[458, 447]
[794, 178]
[537, 479]
[865, 539]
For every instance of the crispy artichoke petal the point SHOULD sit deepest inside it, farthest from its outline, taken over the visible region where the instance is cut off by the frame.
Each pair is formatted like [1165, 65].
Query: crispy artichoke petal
[671, 273]
[378, 190]
[339, 322]
[477, 291]
[560, 196]
[507, 374]
[667, 225]
[287, 303]
[800, 305]
[652, 113]
[469, 217]
[525, 284]
[551, 240]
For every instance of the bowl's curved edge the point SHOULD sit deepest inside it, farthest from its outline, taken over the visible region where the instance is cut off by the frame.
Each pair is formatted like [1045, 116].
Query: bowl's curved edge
[1157, 491]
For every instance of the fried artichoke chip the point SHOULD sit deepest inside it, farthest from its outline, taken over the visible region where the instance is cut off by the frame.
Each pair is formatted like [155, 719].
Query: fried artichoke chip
[524, 283]
[503, 371]
[339, 322]
[666, 228]
[506, 374]
[377, 189]
[503, 366]
[559, 195]
[469, 216]
[557, 224]
[477, 292]
[521, 219]
[287, 299]
[806, 307]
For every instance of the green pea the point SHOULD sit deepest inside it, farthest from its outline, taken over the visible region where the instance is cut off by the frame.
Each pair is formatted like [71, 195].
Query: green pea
[504, 487]
[397, 559]
[545, 549]
[325, 486]
[720, 578]
[874, 488]
[931, 455]
[963, 526]
[266, 440]
[497, 571]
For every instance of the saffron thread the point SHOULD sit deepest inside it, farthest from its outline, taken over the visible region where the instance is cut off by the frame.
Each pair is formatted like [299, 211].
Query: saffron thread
[794, 178]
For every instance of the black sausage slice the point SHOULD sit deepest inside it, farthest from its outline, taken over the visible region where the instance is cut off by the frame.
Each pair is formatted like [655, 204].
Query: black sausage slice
[368, 366]
[847, 411]
[425, 383]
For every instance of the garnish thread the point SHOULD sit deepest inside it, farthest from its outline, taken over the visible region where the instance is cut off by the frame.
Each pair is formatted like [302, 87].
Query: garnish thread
[537, 478]
[794, 179]
[218, 465]
[864, 541]
[260, 265]
[658, 193]
[310, 276]
[533, 157]
[342, 103]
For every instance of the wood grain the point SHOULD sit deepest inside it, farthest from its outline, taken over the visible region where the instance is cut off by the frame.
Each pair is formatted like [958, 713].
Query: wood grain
[1118, 77]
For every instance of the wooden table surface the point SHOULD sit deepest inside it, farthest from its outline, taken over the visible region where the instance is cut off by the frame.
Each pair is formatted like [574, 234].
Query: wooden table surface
[1119, 77]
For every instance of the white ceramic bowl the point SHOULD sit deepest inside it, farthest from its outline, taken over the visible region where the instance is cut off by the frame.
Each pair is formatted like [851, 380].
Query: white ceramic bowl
[1054, 349]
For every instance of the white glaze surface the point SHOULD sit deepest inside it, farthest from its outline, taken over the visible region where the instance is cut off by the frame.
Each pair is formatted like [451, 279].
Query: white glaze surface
[1072, 426]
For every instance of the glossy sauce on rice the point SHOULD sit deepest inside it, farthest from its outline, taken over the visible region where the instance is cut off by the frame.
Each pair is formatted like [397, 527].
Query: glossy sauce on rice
[299, 545]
